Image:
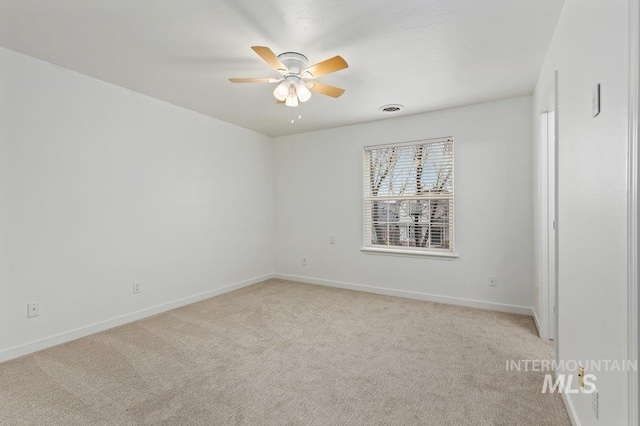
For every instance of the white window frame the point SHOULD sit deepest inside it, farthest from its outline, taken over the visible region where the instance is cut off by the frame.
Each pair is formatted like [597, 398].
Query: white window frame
[430, 252]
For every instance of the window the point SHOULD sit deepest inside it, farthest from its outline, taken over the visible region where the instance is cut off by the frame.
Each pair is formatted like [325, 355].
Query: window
[408, 197]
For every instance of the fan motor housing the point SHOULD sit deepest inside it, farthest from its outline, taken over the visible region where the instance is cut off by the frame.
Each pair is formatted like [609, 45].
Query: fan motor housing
[295, 62]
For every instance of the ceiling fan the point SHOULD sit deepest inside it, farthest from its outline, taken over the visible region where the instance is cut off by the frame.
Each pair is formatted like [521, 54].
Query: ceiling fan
[296, 80]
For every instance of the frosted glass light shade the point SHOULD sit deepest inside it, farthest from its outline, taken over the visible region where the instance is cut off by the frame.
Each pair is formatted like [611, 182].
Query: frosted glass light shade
[291, 101]
[292, 98]
[281, 91]
[304, 94]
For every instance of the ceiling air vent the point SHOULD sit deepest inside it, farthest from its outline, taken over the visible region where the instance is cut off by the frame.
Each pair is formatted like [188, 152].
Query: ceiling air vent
[391, 108]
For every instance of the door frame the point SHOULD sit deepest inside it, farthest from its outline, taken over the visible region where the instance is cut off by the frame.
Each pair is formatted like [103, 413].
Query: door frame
[633, 195]
[548, 190]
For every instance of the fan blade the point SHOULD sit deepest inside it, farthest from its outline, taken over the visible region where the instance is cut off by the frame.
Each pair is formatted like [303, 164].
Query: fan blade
[279, 102]
[326, 67]
[325, 89]
[270, 57]
[253, 80]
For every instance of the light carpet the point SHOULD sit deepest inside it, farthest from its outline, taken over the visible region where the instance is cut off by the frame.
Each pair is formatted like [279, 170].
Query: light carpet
[285, 353]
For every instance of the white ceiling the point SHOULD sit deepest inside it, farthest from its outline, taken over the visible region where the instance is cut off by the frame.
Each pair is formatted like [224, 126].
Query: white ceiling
[424, 54]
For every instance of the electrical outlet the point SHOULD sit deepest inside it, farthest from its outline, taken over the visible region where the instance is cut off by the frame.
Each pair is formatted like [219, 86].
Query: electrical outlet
[595, 403]
[33, 310]
[304, 261]
[492, 280]
[137, 287]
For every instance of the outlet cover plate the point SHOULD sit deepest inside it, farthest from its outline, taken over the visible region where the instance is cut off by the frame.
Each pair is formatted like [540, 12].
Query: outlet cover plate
[33, 310]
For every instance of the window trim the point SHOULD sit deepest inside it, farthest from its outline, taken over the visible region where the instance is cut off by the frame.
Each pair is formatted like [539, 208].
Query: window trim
[441, 254]
[444, 255]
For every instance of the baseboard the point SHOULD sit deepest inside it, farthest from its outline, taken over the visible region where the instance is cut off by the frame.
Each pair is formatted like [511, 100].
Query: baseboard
[536, 320]
[47, 342]
[513, 309]
[570, 410]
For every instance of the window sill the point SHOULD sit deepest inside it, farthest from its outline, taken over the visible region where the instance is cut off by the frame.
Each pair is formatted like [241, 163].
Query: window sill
[410, 253]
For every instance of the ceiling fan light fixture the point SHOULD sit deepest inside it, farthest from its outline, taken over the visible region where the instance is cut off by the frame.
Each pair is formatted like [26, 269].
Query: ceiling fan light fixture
[294, 86]
[292, 98]
[304, 94]
[281, 91]
[291, 101]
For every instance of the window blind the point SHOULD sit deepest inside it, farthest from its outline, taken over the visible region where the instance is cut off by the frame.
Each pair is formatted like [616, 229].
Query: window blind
[408, 196]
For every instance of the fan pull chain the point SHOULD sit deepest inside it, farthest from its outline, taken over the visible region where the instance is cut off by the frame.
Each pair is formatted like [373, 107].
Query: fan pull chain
[299, 113]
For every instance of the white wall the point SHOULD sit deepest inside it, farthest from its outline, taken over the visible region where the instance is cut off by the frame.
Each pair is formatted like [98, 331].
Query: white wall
[318, 181]
[591, 46]
[102, 186]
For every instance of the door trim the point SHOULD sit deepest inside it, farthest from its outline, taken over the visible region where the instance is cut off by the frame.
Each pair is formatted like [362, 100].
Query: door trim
[547, 283]
[632, 207]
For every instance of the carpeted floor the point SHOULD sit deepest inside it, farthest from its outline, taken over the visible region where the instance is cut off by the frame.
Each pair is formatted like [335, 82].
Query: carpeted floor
[281, 353]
